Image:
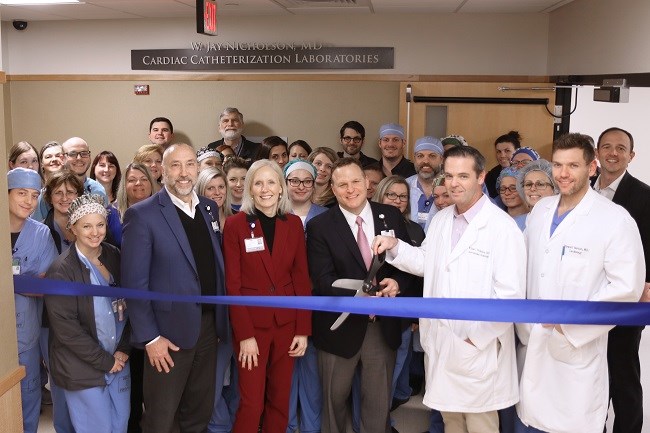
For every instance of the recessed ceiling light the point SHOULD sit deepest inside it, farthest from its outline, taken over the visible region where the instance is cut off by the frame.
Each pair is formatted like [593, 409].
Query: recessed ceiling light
[38, 2]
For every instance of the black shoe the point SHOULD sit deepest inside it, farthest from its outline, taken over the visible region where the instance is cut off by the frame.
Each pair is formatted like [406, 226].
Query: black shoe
[46, 396]
[416, 384]
[397, 403]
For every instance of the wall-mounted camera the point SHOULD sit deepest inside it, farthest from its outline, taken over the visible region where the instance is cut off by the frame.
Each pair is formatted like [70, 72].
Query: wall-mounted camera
[20, 25]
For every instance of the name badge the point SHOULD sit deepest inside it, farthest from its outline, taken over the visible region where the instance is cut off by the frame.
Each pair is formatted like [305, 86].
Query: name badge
[423, 217]
[254, 244]
[15, 266]
[389, 233]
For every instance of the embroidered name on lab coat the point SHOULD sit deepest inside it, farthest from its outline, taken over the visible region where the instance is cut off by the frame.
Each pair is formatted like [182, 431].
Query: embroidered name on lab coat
[479, 252]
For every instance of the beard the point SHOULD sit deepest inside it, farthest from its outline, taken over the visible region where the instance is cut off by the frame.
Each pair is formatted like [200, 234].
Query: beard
[429, 175]
[231, 135]
[178, 190]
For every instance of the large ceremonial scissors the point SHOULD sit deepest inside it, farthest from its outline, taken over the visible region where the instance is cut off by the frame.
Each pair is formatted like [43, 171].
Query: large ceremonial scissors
[363, 288]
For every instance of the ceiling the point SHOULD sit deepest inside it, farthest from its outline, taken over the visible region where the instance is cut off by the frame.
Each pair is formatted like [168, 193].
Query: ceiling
[125, 9]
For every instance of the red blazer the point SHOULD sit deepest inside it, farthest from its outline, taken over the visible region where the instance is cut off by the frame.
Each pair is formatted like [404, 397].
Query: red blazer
[282, 273]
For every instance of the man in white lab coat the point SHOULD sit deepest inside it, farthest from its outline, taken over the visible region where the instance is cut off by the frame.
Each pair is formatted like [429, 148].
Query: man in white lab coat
[581, 246]
[472, 250]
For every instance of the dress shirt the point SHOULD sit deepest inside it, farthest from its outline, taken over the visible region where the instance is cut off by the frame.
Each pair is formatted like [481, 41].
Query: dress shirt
[461, 221]
[189, 209]
[368, 222]
[609, 191]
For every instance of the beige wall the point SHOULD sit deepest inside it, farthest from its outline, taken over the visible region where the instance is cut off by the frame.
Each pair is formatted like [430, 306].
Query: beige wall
[9, 388]
[599, 37]
[466, 44]
[109, 116]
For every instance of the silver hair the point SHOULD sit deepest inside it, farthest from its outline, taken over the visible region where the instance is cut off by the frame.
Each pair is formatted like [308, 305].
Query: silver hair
[248, 204]
[231, 110]
[540, 165]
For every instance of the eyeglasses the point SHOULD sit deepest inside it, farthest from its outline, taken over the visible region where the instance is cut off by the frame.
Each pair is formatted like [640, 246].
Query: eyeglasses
[295, 182]
[519, 164]
[64, 194]
[504, 189]
[355, 140]
[393, 196]
[537, 185]
[75, 154]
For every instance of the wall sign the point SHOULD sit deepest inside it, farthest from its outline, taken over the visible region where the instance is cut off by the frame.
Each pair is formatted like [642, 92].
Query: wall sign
[261, 56]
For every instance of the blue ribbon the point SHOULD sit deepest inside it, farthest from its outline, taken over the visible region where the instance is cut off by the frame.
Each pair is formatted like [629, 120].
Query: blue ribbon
[488, 310]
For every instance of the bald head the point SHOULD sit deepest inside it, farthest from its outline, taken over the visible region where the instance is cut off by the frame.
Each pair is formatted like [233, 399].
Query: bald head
[77, 155]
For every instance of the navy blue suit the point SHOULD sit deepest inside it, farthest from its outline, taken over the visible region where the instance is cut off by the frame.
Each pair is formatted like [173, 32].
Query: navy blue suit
[157, 256]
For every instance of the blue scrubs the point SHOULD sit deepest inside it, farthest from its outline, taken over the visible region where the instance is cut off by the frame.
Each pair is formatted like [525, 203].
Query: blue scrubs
[32, 255]
[103, 409]
[306, 388]
[226, 398]
[60, 415]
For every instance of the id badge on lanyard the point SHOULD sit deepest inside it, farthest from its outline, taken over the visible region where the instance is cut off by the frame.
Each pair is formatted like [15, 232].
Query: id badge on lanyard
[254, 244]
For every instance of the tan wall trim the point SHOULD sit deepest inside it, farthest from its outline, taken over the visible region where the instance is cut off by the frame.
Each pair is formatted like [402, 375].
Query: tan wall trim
[3, 77]
[284, 77]
[10, 380]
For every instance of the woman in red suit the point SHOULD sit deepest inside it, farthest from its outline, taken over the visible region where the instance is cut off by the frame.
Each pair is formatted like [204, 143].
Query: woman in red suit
[265, 255]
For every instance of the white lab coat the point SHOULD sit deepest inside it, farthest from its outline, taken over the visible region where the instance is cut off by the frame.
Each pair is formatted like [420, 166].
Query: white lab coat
[488, 262]
[595, 254]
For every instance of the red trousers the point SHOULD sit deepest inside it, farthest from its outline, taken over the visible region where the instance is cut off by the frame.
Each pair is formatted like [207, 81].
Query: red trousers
[266, 388]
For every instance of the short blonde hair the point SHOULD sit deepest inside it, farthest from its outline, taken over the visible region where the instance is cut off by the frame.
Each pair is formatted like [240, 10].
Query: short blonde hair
[248, 205]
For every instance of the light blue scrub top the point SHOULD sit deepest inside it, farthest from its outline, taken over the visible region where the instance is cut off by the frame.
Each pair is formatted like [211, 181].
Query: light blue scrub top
[33, 254]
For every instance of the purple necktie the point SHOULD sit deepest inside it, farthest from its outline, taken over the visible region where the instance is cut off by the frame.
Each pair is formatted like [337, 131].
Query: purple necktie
[364, 245]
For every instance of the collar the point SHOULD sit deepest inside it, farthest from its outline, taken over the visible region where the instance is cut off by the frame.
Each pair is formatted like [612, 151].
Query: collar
[187, 208]
[366, 214]
[471, 213]
[613, 186]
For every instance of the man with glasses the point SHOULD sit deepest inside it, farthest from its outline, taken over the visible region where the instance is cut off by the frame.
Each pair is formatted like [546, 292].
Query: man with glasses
[391, 144]
[77, 160]
[472, 250]
[428, 163]
[582, 247]
[615, 152]
[231, 126]
[352, 136]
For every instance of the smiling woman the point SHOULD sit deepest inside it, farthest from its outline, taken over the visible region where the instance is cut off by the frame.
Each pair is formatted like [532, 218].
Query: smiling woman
[267, 339]
[89, 336]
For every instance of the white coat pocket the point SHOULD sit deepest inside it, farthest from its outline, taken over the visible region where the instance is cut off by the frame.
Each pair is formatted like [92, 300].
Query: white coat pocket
[466, 360]
[562, 350]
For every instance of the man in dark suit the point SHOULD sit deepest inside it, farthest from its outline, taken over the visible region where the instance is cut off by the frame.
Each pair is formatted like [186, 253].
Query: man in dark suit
[231, 126]
[338, 246]
[615, 150]
[171, 244]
